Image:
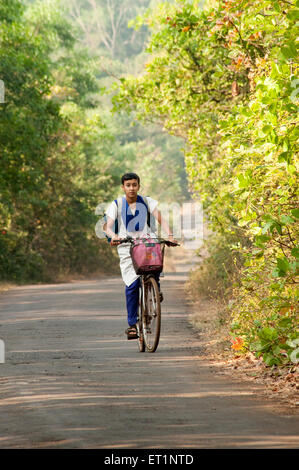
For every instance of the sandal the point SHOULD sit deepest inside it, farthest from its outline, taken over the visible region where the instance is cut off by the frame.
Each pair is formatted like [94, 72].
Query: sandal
[132, 332]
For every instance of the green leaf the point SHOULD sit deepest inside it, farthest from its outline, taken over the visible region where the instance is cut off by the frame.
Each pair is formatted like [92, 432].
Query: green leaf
[293, 14]
[295, 213]
[275, 286]
[295, 252]
[294, 267]
[267, 129]
[261, 239]
[270, 360]
[283, 265]
[286, 219]
[244, 181]
[284, 157]
[276, 350]
[289, 51]
[268, 333]
[278, 228]
[285, 322]
[276, 6]
[276, 272]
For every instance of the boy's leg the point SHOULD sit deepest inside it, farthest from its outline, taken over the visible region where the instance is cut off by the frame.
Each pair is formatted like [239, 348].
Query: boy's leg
[132, 298]
[157, 277]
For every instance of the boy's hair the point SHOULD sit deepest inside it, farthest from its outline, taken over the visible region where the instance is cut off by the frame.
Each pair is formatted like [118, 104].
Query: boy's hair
[130, 176]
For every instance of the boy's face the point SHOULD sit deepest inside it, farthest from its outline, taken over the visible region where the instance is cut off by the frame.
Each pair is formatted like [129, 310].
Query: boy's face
[131, 188]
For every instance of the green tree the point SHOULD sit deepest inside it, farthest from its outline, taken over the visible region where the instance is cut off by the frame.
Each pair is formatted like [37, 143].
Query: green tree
[51, 169]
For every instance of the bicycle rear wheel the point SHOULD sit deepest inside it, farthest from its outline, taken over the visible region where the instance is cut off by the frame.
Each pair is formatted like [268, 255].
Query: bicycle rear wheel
[151, 318]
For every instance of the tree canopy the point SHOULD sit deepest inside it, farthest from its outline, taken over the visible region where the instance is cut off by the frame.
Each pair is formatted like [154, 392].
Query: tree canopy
[53, 147]
[62, 151]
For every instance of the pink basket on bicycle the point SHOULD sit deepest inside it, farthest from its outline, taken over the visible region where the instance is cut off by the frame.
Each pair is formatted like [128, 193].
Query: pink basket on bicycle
[147, 256]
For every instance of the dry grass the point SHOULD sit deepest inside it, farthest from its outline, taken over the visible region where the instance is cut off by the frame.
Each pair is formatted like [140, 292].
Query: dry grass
[5, 286]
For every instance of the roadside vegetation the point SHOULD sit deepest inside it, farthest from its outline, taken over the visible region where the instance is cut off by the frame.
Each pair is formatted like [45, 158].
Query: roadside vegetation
[223, 75]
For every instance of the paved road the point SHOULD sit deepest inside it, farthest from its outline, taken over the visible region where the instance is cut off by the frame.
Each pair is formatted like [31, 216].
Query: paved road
[72, 380]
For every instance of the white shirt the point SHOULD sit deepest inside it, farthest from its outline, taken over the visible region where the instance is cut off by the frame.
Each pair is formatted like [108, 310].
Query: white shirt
[126, 265]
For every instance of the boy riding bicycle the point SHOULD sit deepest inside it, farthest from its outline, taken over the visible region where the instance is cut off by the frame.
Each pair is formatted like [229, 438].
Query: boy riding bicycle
[133, 214]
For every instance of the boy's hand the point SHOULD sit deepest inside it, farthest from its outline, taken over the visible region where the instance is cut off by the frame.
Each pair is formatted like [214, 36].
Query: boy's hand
[172, 240]
[115, 240]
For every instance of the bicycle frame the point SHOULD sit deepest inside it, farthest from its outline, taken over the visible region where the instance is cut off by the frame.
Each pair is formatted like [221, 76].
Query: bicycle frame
[149, 311]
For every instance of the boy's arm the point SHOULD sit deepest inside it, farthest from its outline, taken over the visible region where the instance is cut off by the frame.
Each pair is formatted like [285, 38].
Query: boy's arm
[114, 237]
[157, 214]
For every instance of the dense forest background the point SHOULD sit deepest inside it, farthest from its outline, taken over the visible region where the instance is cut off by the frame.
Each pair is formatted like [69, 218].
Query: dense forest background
[198, 96]
[62, 150]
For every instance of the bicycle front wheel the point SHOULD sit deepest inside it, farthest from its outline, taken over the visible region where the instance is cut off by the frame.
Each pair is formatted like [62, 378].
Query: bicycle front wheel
[151, 318]
[141, 344]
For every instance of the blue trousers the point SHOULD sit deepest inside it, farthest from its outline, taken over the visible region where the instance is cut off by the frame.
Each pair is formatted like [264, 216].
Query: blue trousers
[132, 299]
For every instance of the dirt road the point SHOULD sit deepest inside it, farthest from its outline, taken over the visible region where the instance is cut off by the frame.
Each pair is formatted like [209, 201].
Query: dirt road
[72, 380]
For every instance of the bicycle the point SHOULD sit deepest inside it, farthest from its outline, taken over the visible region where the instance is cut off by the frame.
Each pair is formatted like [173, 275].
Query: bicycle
[149, 310]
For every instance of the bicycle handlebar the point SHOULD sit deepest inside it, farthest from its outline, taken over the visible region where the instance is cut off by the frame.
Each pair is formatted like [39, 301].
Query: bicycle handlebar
[160, 240]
